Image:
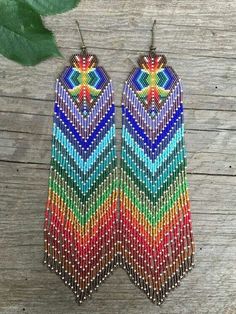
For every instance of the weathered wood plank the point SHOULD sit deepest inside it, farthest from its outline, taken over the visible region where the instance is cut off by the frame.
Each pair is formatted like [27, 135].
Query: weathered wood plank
[211, 120]
[25, 186]
[208, 152]
[204, 41]
[123, 14]
[198, 162]
[202, 76]
[220, 231]
[44, 107]
[119, 293]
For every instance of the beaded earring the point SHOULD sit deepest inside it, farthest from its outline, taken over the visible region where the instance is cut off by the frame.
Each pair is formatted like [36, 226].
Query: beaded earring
[156, 239]
[80, 230]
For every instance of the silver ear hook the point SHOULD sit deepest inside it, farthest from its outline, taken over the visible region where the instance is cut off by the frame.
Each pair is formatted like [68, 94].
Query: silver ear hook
[83, 47]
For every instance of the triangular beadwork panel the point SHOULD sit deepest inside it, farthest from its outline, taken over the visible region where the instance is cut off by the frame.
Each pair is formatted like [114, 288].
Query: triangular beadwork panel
[152, 82]
[84, 81]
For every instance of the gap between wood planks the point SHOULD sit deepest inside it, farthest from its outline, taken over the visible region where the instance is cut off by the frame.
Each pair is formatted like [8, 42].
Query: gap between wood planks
[117, 106]
[189, 94]
[47, 168]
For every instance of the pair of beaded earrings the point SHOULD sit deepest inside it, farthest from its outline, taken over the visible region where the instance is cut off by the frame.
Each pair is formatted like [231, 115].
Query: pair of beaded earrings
[149, 234]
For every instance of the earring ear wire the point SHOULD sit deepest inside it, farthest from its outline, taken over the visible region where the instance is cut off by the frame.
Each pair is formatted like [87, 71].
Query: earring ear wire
[152, 48]
[83, 47]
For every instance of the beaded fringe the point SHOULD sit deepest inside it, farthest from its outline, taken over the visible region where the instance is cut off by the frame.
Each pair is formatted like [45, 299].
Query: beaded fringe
[81, 215]
[85, 235]
[156, 238]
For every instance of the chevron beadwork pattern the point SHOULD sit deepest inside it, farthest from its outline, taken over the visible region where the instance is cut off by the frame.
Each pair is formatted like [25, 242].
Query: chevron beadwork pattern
[156, 238]
[81, 212]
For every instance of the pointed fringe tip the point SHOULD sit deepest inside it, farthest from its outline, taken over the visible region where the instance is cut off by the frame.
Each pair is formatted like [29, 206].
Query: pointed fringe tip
[159, 297]
[82, 295]
[155, 297]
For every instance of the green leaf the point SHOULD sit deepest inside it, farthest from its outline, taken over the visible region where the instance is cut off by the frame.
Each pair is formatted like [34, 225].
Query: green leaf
[48, 7]
[23, 37]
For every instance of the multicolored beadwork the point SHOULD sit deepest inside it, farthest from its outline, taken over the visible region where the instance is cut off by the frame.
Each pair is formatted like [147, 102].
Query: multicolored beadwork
[156, 240]
[81, 212]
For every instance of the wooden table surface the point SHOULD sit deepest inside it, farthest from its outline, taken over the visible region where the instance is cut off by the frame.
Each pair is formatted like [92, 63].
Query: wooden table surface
[199, 40]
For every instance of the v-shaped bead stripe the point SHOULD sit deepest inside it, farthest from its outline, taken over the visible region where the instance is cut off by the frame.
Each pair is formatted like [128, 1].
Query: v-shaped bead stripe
[137, 109]
[85, 153]
[153, 213]
[148, 183]
[146, 175]
[88, 166]
[71, 198]
[153, 143]
[73, 113]
[132, 147]
[75, 152]
[151, 204]
[85, 143]
[87, 128]
[84, 187]
[127, 131]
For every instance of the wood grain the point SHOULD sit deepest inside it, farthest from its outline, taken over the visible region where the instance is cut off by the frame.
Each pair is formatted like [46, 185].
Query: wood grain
[199, 41]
